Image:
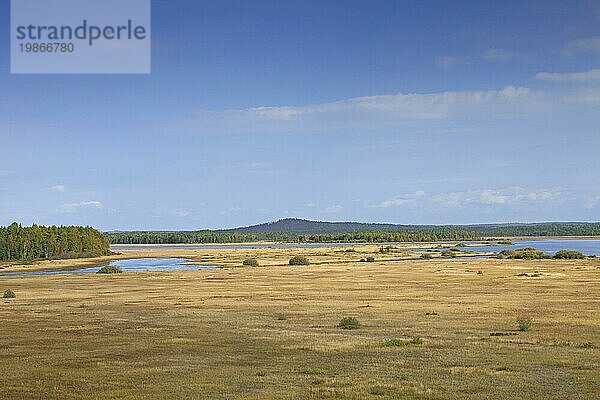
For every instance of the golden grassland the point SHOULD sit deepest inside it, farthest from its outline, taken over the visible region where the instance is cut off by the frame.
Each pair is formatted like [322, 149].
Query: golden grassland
[271, 332]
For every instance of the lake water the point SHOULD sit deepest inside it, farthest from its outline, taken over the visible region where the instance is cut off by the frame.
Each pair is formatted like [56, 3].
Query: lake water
[128, 265]
[588, 247]
[117, 247]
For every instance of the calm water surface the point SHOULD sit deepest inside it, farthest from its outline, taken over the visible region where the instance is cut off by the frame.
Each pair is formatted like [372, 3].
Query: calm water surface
[128, 265]
[588, 247]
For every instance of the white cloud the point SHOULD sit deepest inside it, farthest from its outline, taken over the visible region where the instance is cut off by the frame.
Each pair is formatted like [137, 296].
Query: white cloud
[399, 106]
[585, 45]
[592, 202]
[334, 209]
[402, 200]
[497, 55]
[73, 207]
[400, 112]
[58, 188]
[450, 61]
[593, 74]
[492, 197]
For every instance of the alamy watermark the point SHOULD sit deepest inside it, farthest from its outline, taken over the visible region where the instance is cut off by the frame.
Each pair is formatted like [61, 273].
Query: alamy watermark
[80, 36]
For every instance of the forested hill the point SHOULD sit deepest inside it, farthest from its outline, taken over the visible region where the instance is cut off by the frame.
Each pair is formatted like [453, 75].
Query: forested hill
[41, 242]
[306, 227]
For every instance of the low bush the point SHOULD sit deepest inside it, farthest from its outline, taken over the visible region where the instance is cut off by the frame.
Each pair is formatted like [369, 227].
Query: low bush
[528, 253]
[315, 371]
[378, 390]
[395, 343]
[426, 255]
[370, 259]
[449, 253]
[349, 323]
[9, 294]
[402, 342]
[524, 323]
[416, 340]
[299, 260]
[568, 255]
[110, 269]
[250, 262]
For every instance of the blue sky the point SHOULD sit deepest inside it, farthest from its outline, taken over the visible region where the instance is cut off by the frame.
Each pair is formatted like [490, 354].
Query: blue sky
[401, 111]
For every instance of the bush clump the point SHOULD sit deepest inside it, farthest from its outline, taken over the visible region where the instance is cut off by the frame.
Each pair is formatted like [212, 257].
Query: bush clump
[568, 255]
[250, 262]
[370, 259]
[524, 323]
[110, 269]
[299, 260]
[349, 323]
[528, 253]
[9, 294]
[449, 253]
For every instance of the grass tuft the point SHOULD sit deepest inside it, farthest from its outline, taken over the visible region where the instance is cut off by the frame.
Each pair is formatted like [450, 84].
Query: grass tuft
[250, 262]
[349, 323]
[9, 294]
[524, 323]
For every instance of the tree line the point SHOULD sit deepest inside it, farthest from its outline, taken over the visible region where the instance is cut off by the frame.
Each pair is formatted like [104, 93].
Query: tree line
[421, 235]
[542, 229]
[52, 242]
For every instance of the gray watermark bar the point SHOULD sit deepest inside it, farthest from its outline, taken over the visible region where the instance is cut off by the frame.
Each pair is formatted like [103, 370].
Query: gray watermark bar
[80, 36]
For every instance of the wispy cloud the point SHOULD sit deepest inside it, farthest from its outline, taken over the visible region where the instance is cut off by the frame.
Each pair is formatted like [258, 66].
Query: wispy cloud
[74, 207]
[58, 188]
[450, 61]
[498, 55]
[495, 197]
[401, 112]
[591, 75]
[510, 196]
[334, 209]
[402, 200]
[590, 45]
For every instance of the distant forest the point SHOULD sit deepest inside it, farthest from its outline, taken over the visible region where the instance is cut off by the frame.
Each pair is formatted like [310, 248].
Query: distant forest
[303, 231]
[423, 235]
[41, 242]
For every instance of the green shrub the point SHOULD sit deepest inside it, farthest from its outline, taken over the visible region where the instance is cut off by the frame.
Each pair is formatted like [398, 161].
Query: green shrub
[524, 323]
[299, 260]
[401, 342]
[377, 390]
[449, 253]
[528, 253]
[395, 343]
[110, 269]
[568, 255]
[9, 294]
[250, 262]
[261, 373]
[505, 242]
[370, 259]
[426, 255]
[349, 323]
[315, 371]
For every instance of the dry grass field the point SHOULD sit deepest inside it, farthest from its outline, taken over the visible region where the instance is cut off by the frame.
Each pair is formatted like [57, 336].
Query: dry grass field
[430, 329]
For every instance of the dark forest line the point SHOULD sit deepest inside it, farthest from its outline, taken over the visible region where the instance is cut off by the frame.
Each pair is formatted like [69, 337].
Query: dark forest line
[51, 242]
